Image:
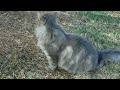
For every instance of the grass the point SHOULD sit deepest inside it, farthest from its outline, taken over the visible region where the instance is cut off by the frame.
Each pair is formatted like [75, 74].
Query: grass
[20, 58]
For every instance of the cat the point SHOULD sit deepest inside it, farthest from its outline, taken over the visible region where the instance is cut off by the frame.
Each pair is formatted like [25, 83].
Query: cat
[68, 51]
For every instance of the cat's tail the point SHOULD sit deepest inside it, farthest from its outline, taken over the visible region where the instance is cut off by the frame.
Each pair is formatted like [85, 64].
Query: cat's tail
[108, 56]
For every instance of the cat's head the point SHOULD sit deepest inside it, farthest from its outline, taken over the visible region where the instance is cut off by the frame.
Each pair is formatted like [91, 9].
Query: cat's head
[49, 19]
[49, 30]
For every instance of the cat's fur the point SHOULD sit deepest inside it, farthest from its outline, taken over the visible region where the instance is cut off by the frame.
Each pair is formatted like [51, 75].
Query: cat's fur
[70, 52]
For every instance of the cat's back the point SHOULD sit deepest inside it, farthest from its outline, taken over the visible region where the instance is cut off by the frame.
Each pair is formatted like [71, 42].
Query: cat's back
[78, 55]
[79, 41]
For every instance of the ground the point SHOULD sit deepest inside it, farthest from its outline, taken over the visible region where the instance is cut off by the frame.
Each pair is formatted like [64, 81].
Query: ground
[21, 59]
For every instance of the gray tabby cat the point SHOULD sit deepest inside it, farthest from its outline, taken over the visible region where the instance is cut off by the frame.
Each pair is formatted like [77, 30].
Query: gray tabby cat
[68, 51]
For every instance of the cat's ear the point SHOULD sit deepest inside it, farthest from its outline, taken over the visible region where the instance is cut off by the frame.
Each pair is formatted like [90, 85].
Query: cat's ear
[38, 15]
[55, 15]
[41, 18]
